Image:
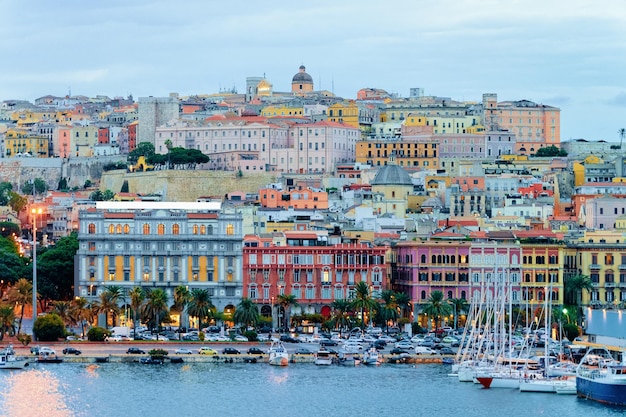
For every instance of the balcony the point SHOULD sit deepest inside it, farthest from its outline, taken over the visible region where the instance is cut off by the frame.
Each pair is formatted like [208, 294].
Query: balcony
[622, 267]
[594, 266]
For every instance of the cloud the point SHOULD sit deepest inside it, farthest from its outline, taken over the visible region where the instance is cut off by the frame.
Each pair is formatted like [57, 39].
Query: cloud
[619, 100]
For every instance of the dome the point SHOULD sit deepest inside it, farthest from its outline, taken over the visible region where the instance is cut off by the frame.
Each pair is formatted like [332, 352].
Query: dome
[302, 77]
[392, 175]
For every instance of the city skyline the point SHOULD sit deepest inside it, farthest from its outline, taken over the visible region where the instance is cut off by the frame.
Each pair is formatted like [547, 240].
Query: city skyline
[563, 54]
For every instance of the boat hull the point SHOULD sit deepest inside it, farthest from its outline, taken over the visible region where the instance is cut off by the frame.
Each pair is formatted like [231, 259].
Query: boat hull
[607, 393]
[279, 361]
[17, 364]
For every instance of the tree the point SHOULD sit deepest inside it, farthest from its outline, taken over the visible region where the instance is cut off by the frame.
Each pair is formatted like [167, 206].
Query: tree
[341, 314]
[363, 300]
[9, 229]
[12, 265]
[286, 301]
[39, 185]
[7, 318]
[137, 297]
[247, 313]
[21, 294]
[459, 305]
[155, 307]
[5, 193]
[570, 330]
[436, 307]
[79, 312]
[200, 305]
[622, 134]
[550, 151]
[404, 303]
[55, 269]
[574, 288]
[17, 202]
[62, 309]
[107, 303]
[182, 296]
[106, 195]
[389, 310]
[143, 149]
[49, 328]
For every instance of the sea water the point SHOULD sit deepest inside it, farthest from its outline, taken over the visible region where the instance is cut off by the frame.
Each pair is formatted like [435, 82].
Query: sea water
[261, 390]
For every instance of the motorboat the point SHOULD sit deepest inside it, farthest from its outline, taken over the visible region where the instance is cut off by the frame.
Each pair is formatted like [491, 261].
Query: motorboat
[599, 377]
[371, 357]
[8, 360]
[348, 358]
[278, 355]
[323, 357]
[48, 357]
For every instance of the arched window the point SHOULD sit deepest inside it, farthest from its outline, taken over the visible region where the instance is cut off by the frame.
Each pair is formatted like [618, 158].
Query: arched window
[111, 229]
[126, 229]
[434, 259]
[453, 259]
[423, 295]
[118, 229]
[423, 258]
[203, 230]
[92, 228]
[463, 295]
[449, 294]
[195, 229]
[146, 229]
[175, 229]
[230, 229]
[161, 229]
[209, 230]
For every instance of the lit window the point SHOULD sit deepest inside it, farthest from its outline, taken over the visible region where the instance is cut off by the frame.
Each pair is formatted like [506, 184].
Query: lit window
[92, 228]
[111, 229]
[161, 229]
[230, 229]
[126, 229]
[175, 229]
[195, 229]
[146, 229]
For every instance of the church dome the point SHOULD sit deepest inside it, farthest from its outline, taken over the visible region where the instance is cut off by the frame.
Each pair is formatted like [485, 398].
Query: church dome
[302, 77]
[392, 175]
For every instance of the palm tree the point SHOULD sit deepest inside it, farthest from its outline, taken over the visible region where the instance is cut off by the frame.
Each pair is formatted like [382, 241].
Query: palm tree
[108, 303]
[340, 317]
[574, 288]
[622, 134]
[436, 307]
[182, 296]
[155, 307]
[403, 302]
[79, 312]
[363, 300]
[62, 309]
[389, 310]
[247, 313]
[200, 305]
[7, 318]
[287, 301]
[137, 297]
[21, 294]
[459, 305]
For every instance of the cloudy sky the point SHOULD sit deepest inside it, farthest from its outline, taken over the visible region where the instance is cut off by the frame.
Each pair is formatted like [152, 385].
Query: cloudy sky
[566, 53]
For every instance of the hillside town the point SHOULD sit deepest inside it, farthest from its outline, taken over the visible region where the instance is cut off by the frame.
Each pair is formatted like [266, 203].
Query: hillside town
[296, 192]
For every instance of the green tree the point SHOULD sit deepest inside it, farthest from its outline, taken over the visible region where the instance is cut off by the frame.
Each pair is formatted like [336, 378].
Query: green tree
[571, 331]
[137, 297]
[107, 303]
[622, 134]
[182, 296]
[21, 294]
[12, 265]
[436, 307]
[341, 310]
[62, 186]
[286, 302]
[459, 306]
[5, 193]
[389, 309]
[574, 288]
[8, 229]
[247, 313]
[38, 184]
[97, 334]
[7, 318]
[17, 202]
[87, 184]
[143, 149]
[79, 312]
[550, 151]
[404, 303]
[62, 309]
[55, 269]
[155, 307]
[49, 328]
[363, 300]
[200, 305]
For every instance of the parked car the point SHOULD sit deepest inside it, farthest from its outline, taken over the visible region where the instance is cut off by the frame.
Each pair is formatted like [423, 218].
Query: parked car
[396, 351]
[255, 351]
[327, 342]
[135, 351]
[450, 341]
[303, 351]
[71, 351]
[230, 351]
[421, 350]
[183, 351]
[205, 350]
[44, 350]
[288, 339]
[446, 351]
[379, 344]
[403, 344]
[240, 338]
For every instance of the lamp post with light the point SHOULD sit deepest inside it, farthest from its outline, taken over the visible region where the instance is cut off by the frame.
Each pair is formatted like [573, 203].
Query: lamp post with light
[35, 212]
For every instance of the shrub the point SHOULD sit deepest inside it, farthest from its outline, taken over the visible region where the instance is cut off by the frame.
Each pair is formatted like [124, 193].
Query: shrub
[97, 334]
[24, 339]
[251, 335]
[49, 328]
[571, 331]
[157, 353]
[201, 336]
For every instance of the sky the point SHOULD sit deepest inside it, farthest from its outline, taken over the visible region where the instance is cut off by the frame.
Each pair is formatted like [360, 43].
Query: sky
[570, 54]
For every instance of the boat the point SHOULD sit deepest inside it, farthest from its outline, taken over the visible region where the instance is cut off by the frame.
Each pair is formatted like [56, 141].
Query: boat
[599, 377]
[348, 358]
[176, 359]
[102, 359]
[323, 357]
[371, 357]
[8, 360]
[48, 357]
[278, 355]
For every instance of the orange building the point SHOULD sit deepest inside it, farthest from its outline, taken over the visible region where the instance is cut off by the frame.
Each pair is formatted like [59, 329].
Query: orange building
[296, 199]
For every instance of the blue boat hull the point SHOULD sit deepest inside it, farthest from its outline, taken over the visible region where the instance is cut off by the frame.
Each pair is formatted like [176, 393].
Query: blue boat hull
[614, 394]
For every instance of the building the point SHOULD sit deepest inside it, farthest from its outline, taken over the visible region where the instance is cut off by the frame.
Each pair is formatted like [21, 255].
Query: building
[302, 82]
[161, 245]
[153, 112]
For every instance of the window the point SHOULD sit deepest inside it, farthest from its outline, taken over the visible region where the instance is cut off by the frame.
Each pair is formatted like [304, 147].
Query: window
[161, 229]
[92, 228]
[111, 229]
[146, 229]
[230, 229]
[195, 229]
[175, 229]
[126, 229]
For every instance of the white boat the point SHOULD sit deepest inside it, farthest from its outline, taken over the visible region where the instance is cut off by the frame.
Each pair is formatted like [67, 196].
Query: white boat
[323, 357]
[348, 358]
[8, 360]
[371, 357]
[278, 355]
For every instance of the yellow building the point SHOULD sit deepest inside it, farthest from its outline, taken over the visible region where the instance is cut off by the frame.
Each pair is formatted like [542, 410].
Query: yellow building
[408, 153]
[455, 124]
[346, 112]
[19, 142]
[270, 111]
[302, 82]
[83, 140]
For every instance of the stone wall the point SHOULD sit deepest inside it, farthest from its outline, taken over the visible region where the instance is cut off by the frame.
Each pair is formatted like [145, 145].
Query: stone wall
[176, 185]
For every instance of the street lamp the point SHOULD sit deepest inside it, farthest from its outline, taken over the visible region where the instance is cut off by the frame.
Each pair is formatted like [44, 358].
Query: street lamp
[35, 212]
[455, 316]
[566, 315]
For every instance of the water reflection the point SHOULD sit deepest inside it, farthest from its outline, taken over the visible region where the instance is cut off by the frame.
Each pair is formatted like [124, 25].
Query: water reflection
[33, 393]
